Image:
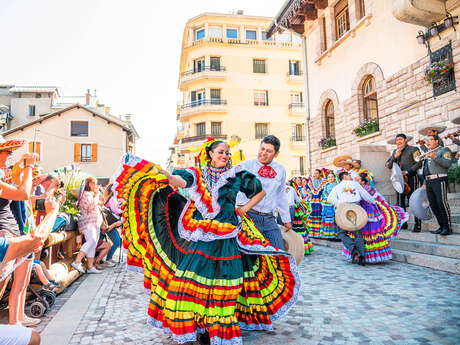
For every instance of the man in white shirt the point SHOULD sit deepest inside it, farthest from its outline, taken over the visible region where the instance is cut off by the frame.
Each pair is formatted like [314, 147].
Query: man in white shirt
[350, 191]
[272, 175]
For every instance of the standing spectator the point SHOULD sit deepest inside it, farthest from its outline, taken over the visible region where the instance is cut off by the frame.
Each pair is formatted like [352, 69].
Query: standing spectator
[89, 224]
[112, 214]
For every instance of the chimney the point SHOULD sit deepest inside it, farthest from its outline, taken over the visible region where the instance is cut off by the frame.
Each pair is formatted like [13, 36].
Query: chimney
[128, 117]
[88, 97]
[240, 12]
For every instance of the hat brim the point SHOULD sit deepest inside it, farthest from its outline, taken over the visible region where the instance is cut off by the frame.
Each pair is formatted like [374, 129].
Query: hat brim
[341, 158]
[341, 164]
[11, 145]
[419, 204]
[424, 129]
[392, 141]
[293, 244]
[344, 223]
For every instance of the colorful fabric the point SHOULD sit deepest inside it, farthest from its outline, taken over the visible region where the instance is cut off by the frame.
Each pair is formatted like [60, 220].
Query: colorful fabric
[328, 226]
[206, 268]
[315, 187]
[299, 225]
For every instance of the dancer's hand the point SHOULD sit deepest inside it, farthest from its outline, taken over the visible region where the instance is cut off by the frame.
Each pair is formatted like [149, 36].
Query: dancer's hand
[242, 210]
[287, 227]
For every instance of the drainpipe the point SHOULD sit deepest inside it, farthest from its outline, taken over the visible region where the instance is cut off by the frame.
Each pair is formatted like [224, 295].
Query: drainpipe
[307, 103]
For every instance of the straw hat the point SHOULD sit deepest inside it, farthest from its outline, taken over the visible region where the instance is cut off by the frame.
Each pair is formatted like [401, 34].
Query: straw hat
[350, 217]
[10, 145]
[293, 244]
[341, 158]
[392, 141]
[455, 119]
[422, 129]
[419, 204]
[353, 163]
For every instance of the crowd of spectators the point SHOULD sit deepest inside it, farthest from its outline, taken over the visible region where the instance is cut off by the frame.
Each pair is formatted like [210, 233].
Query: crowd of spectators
[25, 226]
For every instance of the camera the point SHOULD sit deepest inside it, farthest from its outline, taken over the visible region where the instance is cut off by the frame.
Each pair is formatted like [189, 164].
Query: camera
[40, 204]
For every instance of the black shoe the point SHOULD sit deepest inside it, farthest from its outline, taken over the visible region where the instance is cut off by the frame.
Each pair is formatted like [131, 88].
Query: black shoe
[405, 226]
[355, 259]
[203, 338]
[445, 232]
[362, 261]
[416, 229]
[437, 232]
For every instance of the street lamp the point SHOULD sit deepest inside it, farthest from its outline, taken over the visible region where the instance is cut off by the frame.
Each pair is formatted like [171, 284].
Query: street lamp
[450, 21]
[421, 37]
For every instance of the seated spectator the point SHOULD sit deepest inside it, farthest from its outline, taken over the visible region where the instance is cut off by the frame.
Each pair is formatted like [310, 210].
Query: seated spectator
[102, 249]
[112, 214]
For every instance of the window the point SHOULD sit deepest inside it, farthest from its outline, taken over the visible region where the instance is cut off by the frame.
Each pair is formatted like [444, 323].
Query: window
[232, 33]
[200, 129]
[285, 37]
[197, 97]
[323, 36]
[199, 34]
[38, 95]
[294, 67]
[31, 110]
[342, 19]
[302, 165]
[264, 36]
[298, 134]
[85, 155]
[296, 97]
[79, 128]
[370, 107]
[215, 96]
[215, 63]
[198, 65]
[329, 119]
[361, 9]
[216, 128]
[85, 152]
[261, 130]
[251, 35]
[215, 31]
[260, 97]
[258, 66]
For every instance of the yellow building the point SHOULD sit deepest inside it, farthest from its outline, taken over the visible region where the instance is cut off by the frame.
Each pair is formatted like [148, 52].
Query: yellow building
[236, 82]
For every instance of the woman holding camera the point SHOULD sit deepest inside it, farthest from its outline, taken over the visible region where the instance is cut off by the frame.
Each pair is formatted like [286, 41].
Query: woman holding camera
[89, 224]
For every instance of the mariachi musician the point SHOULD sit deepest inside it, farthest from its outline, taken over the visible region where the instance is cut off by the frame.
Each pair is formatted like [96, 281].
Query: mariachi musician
[406, 157]
[436, 162]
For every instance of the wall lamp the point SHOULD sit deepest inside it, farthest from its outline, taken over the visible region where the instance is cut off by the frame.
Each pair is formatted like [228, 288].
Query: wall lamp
[435, 30]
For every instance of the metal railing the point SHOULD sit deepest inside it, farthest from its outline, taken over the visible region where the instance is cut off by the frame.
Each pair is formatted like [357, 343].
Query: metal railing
[204, 137]
[198, 103]
[298, 138]
[294, 74]
[296, 105]
[204, 69]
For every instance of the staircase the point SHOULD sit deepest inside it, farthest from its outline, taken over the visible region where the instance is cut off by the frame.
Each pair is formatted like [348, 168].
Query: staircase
[425, 249]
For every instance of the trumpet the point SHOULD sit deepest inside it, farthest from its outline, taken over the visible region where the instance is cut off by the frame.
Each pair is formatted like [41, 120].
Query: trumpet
[424, 156]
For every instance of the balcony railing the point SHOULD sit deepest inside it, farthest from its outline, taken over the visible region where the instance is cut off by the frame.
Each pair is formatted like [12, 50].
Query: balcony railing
[296, 106]
[295, 76]
[204, 69]
[203, 137]
[298, 138]
[212, 101]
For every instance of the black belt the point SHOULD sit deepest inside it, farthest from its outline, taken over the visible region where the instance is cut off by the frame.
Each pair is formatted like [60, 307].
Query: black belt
[260, 213]
[434, 176]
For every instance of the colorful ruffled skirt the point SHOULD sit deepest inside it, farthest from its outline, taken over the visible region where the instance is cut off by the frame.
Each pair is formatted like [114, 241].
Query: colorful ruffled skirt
[299, 226]
[314, 220]
[220, 287]
[328, 226]
[376, 246]
[394, 218]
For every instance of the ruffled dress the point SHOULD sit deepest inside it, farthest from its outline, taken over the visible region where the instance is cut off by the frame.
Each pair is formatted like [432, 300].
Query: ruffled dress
[394, 216]
[315, 187]
[299, 223]
[328, 226]
[206, 269]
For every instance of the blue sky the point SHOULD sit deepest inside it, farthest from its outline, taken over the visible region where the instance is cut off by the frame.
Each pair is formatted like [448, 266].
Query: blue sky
[127, 50]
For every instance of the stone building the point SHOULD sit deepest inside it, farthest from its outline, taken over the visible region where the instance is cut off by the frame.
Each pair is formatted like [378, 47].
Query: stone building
[235, 81]
[366, 73]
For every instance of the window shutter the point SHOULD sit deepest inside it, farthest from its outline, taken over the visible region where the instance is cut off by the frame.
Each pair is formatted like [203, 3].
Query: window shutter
[38, 150]
[93, 152]
[76, 152]
[31, 147]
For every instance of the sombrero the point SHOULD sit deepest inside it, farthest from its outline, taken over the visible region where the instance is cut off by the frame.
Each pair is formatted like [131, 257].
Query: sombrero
[397, 178]
[422, 129]
[341, 158]
[419, 204]
[353, 163]
[392, 141]
[293, 244]
[350, 217]
[455, 119]
[10, 145]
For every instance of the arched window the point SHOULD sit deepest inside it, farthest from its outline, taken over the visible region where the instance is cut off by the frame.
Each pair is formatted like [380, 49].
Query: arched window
[329, 119]
[370, 106]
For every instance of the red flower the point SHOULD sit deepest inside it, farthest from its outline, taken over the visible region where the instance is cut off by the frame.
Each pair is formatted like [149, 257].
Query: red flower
[446, 70]
[453, 63]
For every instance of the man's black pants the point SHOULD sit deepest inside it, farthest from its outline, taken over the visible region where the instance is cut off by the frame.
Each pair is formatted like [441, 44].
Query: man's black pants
[403, 199]
[436, 191]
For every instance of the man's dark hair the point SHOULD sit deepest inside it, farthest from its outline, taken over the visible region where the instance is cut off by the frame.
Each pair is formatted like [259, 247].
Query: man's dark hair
[342, 174]
[271, 139]
[401, 135]
[435, 137]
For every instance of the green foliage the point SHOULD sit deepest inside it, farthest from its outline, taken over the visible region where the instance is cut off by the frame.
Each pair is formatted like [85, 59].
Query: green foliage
[453, 174]
[438, 68]
[325, 143]
[366, 128]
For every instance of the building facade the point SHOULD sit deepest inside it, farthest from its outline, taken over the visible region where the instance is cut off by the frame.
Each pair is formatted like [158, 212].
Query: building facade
[367, 73]
[77, 135]
[237, 82]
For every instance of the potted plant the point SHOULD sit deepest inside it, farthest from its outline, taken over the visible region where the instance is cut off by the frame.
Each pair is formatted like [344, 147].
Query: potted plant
[366, 128]
[452, 178]
[438, 69]
[327, 142]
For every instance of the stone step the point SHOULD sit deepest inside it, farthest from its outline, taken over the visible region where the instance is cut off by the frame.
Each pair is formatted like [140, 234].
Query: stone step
[454, 215]
[427, 227]
[438, 249]
[425, 260]
[428, 237]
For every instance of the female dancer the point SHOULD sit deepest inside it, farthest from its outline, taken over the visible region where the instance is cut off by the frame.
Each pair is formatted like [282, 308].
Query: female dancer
[315, 188]
[328, 226]
[210, 271]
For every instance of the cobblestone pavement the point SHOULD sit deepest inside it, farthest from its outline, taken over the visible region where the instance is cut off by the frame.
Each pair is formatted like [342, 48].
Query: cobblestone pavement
[340, 303]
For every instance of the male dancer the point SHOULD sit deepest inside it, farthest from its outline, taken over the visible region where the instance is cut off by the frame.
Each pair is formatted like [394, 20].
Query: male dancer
[272, 175]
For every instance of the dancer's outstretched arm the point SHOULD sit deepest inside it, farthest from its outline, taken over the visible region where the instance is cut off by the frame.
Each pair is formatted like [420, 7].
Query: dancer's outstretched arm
[175, 180]
[251, 203]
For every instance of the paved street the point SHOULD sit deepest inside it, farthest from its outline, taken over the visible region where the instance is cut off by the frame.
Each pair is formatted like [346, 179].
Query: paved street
[340, 303]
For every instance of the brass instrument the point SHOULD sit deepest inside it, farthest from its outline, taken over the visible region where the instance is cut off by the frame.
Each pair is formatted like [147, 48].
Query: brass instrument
[424, 156]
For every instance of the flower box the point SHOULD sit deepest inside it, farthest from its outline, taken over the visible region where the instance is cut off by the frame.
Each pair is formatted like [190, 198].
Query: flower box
[327, 142]
[366, 128]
